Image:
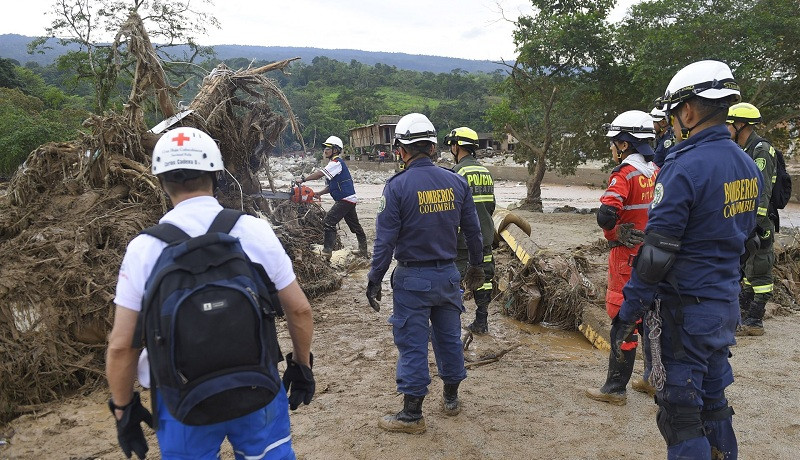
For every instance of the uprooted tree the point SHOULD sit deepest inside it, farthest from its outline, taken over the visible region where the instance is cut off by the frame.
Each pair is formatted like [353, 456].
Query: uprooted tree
[71, 208]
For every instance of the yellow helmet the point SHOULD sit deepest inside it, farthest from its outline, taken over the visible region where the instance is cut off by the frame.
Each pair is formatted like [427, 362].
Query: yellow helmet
[744, 112]
[463, 136]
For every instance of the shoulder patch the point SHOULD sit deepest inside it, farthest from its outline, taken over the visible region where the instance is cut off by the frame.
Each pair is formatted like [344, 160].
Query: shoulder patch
[613, 182]
[761, 163]
[658, 194]
[668, 143]
[382, 204]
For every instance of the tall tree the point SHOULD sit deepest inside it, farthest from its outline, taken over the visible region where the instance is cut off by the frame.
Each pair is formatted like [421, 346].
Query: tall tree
[93, 25]
[554, 93]
[759, 40]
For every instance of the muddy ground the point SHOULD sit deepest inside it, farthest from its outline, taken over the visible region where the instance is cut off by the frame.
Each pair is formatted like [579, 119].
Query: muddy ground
[529, 404]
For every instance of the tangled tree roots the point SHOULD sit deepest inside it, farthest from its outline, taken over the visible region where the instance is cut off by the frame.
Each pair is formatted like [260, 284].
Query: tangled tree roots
[71, 209]
[551, 290]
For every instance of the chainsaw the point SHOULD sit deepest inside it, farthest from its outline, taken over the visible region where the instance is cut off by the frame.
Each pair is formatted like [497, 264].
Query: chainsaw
[299, 194]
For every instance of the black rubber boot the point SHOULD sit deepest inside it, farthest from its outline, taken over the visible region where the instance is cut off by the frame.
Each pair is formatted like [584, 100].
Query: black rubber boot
[330, 241]
[362, 246]
[481, 323]
[619, 373]
[450, 403]
[753, 324]
[408, 420]
[745, 300]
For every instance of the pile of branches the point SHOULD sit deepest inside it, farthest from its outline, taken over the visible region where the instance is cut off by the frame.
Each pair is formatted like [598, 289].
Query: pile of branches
[71, 209]
[787, 274]
[551, 289]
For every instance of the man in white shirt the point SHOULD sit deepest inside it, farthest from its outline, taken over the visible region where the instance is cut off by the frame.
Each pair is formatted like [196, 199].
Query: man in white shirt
[186, 162]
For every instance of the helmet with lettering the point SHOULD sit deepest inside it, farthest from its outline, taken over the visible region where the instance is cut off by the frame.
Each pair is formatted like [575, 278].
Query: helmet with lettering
[711, 80]
[186, 148]
[332, 142]
[415, 127]
[745, 113]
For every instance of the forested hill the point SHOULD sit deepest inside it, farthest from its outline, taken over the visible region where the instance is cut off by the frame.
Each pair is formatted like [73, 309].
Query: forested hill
[13, 46]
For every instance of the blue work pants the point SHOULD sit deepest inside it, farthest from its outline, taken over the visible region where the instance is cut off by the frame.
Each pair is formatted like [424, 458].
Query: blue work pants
[695, 384]
[427, 304]
[263, 434]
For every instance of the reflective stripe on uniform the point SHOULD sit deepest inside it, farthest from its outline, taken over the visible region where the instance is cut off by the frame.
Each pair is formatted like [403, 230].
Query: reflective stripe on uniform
[485, 287]
[762, 211]
[269, 448]
[470, 169]
[637, 206]
[487, 258]
[747, 283]
[482, 198]
[762, 289]
[633, 173]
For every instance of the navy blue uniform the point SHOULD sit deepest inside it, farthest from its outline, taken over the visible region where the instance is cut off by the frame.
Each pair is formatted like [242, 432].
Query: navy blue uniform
[706, 196]
[663, 144]
[421, 211]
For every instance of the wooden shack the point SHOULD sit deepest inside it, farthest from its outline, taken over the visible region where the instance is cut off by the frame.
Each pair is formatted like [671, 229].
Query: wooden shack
[368, 140]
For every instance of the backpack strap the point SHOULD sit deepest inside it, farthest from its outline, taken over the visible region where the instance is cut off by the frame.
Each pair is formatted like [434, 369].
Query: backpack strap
[167, 233]
[225, 221]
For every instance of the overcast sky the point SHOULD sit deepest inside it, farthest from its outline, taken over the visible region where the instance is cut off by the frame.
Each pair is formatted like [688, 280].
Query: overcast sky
[471, 29]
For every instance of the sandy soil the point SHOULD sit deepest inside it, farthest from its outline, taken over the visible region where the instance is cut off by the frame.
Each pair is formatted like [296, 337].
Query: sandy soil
[529, 404]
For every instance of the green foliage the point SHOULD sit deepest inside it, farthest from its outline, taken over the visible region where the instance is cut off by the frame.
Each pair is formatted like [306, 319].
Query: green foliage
[8, 77]
[759, 40]
[26, 122]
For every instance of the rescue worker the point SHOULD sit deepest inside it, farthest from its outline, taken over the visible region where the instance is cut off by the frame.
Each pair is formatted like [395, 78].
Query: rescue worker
[463, 142]
[665, 137]
[686, 274]
[190, 186]
[623, 216]
[757, 269]
[421, 210]
[339, 183]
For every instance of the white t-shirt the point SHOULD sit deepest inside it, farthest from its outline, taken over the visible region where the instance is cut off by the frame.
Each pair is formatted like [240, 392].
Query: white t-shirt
[194, 216]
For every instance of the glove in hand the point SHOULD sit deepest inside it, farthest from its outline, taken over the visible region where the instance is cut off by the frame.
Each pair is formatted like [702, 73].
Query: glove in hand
[473, 278]
[620, 330]
[628, 235]
[299, 381]
[374, 295]
[129, 429]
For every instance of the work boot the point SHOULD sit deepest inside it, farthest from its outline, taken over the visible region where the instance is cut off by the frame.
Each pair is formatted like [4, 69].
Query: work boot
[330, 241]
[450, 403]
[481, 323]
[613, 392]
[745, 300]
[753, 324]
[362, 247]
[643, 386]
[408, 420]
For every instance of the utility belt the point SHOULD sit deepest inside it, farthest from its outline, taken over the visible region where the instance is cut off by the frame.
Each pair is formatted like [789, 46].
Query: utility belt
[672, 312]
[425, 263]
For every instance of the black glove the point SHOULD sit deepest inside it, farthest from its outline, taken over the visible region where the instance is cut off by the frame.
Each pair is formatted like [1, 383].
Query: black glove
[628, 235]
[473, 278]
[129, 429]
[620, 330]
[299, 381]
[374, 295]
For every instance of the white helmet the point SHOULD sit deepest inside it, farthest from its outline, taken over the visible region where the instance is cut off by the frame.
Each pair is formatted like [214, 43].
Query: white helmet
[706, 79]
[657, 114]
[415, 127]
[186, 148]
[634, 122]
[333, 141]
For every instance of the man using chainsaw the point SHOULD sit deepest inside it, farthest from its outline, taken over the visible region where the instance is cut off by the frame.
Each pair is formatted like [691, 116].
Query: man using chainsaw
[339, 183]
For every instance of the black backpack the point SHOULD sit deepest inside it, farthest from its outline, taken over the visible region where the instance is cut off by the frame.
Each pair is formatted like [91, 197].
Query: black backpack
[782, 189]
[208, 321]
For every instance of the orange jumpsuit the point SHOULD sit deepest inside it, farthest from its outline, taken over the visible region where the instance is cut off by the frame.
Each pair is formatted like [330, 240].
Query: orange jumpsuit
[630, 192]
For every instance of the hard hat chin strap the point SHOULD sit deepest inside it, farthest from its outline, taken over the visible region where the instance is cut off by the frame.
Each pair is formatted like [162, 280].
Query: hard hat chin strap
[685, 132]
